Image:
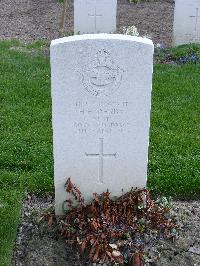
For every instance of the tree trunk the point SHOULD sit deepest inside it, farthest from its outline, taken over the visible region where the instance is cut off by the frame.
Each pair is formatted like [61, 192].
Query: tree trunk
[63, 18]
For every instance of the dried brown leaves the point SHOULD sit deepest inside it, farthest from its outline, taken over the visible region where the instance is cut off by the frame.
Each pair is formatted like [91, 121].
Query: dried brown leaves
[105, 228]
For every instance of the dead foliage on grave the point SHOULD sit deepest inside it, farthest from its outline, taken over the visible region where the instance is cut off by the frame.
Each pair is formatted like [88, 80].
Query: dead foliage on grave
[106, 228]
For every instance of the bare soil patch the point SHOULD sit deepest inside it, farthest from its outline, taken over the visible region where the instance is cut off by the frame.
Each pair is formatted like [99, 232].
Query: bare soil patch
[37, 244]
[30, 20]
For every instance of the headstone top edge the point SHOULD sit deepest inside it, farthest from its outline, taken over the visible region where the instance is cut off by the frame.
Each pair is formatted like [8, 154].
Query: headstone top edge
[101, 36]
[187, 2]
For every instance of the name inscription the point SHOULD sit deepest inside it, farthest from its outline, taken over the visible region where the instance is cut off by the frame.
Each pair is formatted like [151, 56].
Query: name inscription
[102, 118]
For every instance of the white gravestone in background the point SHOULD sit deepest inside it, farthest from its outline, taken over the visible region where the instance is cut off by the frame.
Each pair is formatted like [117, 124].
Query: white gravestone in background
[187, 22]
[95, 16]
[101, 96]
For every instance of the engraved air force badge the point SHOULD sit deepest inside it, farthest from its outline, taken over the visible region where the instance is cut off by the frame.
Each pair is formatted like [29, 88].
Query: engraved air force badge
[103, 77]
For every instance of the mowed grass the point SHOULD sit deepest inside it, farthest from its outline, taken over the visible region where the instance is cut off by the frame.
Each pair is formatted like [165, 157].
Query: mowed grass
[26, 137]
[10, 205]
[26, 161]
[174, 153]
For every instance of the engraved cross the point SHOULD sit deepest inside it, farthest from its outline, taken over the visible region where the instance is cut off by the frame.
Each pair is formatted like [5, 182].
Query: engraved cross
[197, 24]
[95, 15]
[101, 156]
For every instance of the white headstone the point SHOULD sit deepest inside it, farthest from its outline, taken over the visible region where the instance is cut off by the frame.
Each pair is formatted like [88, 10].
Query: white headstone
[101, 92]
[95, 16]
[187, 22]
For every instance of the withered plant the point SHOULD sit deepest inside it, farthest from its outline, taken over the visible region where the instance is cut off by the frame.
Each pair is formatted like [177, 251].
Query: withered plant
[106, 229]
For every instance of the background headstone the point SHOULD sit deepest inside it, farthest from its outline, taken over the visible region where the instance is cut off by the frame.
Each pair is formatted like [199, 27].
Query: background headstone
[101, 96]
[95, 16]
[187, 22]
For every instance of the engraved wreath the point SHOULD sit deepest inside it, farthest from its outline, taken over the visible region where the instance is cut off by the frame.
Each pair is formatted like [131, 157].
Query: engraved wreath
[104, 77]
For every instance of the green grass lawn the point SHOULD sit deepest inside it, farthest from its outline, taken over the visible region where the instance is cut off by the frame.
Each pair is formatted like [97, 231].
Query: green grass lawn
[26, 138]
[174, 155]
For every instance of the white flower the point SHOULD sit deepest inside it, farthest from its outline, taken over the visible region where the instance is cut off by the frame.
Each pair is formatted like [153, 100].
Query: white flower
[130, 30]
